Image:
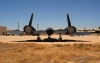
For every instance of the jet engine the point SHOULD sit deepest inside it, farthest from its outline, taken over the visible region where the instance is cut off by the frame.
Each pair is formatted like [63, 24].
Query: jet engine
[29, 29]
[70, 30]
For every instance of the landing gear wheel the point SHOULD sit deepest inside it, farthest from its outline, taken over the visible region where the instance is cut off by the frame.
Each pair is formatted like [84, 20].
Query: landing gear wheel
[38, 38]
[60, 39]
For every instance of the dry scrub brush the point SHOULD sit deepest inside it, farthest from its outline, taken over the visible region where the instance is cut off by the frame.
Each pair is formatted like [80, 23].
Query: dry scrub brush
[56, 53]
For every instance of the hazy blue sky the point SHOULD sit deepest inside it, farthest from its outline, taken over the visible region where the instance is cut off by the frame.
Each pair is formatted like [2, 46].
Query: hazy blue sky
[50, 13]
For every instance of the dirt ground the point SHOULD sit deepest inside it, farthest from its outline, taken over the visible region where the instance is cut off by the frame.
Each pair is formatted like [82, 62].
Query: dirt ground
[73, 49]
[66, 39]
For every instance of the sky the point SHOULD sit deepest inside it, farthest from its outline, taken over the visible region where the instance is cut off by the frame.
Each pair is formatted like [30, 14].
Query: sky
[50, 13]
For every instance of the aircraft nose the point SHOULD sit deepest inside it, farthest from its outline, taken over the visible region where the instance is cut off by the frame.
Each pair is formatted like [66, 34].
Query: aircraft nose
[49, 31]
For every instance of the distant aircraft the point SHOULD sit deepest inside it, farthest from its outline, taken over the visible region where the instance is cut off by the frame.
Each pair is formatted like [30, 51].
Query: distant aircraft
[29, 29]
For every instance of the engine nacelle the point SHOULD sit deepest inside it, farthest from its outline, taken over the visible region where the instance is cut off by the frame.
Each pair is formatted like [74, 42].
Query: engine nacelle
[29, 29]
[70, 30]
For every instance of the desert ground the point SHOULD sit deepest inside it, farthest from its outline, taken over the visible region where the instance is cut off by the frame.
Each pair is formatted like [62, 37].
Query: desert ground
[66, 39]
[73, 49]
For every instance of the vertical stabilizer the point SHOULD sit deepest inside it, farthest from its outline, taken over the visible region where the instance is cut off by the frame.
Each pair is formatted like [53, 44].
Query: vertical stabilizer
[30, 22]
[68, 20]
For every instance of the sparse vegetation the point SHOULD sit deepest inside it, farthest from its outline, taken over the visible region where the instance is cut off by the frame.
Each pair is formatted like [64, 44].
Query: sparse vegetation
[56, 53]
[80, 45]
[58, 45]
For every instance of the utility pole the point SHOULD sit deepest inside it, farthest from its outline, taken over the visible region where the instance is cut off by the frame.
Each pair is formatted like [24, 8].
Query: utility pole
[18, 25]
[37, 27]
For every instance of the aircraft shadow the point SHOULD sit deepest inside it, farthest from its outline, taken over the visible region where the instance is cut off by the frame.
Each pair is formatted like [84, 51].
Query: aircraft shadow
[52, 40]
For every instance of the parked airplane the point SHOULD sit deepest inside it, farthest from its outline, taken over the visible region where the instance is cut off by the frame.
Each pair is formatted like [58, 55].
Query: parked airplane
[49, 31]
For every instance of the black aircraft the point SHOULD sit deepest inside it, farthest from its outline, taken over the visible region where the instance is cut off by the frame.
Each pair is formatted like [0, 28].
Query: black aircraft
[29, 29]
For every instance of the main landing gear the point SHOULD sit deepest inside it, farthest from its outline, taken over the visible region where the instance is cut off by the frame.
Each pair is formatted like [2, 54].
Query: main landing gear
[38, 37]
[60, 37]
[49, 38]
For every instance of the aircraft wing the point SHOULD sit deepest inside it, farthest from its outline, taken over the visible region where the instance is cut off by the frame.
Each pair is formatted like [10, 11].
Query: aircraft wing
[15, 32]
[60, 32]
[77, 33]
[40, 32]
[54, 32]
[83, 33]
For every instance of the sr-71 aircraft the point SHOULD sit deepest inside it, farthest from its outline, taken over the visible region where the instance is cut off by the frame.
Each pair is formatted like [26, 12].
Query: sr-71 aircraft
[29, 29]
